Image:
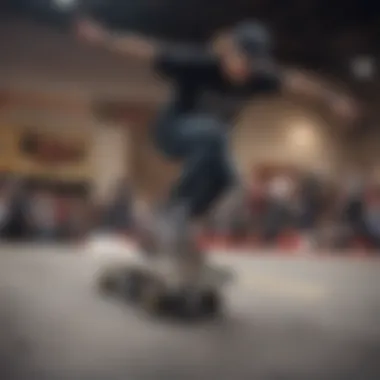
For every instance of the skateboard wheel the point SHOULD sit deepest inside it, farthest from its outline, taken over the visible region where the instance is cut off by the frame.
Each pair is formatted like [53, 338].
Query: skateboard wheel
[124, 283]
[152, 295]
[189, 304]
[211, 303]
[132, 283]
[189, 307]
[108, 283]
[203, 304]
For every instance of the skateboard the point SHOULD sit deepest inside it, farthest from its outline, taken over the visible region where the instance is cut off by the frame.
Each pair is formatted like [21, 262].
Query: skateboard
[158, 288]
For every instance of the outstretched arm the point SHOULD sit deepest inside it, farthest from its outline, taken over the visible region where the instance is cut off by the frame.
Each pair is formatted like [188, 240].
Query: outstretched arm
[130, 45]
[303, 85]
[167, 59]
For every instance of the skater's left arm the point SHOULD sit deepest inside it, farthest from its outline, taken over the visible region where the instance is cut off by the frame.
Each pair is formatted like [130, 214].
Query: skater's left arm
[300, 84]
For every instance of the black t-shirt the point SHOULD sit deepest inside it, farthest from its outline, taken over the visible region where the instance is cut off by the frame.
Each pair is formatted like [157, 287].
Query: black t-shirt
[200, 86]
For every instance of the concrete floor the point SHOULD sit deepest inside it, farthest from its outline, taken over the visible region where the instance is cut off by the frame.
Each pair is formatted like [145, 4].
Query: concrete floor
[287, 319]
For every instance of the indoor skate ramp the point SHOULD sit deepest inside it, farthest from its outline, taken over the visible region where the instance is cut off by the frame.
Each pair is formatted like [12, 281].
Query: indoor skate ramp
[287, 320]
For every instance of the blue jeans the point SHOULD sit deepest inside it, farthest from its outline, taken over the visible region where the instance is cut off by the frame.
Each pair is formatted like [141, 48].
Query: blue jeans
[200, 141]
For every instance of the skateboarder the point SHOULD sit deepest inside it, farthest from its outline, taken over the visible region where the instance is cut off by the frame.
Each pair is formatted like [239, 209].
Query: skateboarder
[208, 84]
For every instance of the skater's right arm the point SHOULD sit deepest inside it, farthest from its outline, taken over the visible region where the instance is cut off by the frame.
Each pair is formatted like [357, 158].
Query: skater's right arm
[168, 60]
[130, 45]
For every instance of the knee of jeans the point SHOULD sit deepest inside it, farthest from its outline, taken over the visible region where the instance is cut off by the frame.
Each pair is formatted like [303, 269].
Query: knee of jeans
[213, 142]
[208, 129]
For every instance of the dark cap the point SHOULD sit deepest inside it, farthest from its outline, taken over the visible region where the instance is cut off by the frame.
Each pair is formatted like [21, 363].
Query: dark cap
[253, 38]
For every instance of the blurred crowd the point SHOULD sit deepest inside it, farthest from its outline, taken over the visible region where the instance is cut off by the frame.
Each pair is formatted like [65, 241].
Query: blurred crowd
[41, 212]
[45, 211]
[271, 207]
[320, 213]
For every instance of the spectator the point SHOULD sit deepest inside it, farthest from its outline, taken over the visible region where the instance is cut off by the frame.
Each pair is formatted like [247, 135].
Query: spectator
[63, 216]
[256, 203]
[310, 199]
[77, 217]
[353, 193]
[279, 211]
[43, 215]
[17, 225]
[371, 216]
[4, 208]
[118, 212]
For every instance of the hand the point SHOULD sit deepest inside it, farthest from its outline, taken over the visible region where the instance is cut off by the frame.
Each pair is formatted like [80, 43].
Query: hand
[345, 108]
[222, 43]
[91, 32]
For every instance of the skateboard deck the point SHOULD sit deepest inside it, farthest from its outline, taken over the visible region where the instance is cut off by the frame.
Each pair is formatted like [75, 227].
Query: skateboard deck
[158, 285]
[208, 274]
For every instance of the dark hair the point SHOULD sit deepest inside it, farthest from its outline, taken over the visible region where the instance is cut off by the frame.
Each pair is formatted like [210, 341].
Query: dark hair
[253, 38]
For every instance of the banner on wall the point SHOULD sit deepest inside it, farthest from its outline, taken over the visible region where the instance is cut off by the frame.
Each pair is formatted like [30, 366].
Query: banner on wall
[33, 151]
[51, 150]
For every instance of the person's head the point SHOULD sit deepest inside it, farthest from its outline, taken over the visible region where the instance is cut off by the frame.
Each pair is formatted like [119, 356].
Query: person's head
[243, 50]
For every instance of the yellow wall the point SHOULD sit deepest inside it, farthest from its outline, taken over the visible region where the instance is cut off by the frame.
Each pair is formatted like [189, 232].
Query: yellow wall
[12, 159]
